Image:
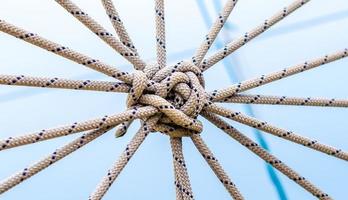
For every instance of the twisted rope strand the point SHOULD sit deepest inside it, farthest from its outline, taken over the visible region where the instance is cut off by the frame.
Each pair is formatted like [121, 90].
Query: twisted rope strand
[284, 100]
[118, 25]
[234, 45]
[216, 167]
[57, 155]
[263, 154]
[288, 135]
[102, 33]
[122, 161]
[214, 31]
[105, 122]
[64, 52]
[43, 82]
[160, 34]
[264, 79]
[182, 183]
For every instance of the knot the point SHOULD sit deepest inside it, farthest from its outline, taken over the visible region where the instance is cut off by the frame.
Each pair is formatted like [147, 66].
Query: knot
[177, 92]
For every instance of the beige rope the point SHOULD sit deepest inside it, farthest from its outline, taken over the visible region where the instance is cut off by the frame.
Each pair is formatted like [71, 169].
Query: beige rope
[263, 154]
[57, 155]
[160, 33]
[264, 79]
[182, 183]
[214, 31]
[118, 25]
[64, 51]
[107, 37]
[127, 154]
[284, 100]
[236, 44]
[216, 167]
[104, 122]
[288, 135]
[165, 98]
[105, 86]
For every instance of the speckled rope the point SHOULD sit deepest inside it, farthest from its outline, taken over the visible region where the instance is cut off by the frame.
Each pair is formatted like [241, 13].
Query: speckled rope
[57, 155]
[264, 79]
[216, 167]
[236, 44]
[288, 135]
[118, 25]
[127, 154]
[64, 51]
[182, 182]
[213, 32]
[90, 23]
[263, 154]
[76, 127]
[167, 99]
[160, 34]
[285, 100]
[43, 82]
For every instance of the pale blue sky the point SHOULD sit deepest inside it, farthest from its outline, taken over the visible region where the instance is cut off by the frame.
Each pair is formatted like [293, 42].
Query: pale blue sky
[318, 28]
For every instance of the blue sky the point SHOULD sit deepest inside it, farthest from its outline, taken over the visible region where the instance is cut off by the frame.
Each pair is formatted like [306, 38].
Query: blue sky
[318, 28]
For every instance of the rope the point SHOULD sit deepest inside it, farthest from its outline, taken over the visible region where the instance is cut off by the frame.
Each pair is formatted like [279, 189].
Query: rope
[160, 33]
[118, 25]
[216, 167]
[236, 44]
[127, 154]
[214, 31]
[102, 33]
[42, 82]
[284, 100]
[182, 182]
[263, 154]
[167, 99]
[57, 155]
[286, 72]
[288, 135]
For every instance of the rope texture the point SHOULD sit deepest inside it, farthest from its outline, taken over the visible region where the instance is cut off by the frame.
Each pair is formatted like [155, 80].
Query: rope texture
[166, 98]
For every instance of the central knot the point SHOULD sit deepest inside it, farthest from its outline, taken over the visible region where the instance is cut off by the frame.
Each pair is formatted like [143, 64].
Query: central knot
[176, 91]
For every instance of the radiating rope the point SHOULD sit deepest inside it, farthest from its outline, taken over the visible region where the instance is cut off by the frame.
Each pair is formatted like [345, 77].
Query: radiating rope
[165, 98]
[216, 167]
[285, 134]
[118, 25]
[123, 160]
[285, 100]
[102, 33]
[286, 72]
[213, 32]
[236, 44]
[182, 182]
[57, 155]
[263, 154]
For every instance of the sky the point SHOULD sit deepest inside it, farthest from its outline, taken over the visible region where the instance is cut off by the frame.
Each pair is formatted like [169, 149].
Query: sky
[319, 28]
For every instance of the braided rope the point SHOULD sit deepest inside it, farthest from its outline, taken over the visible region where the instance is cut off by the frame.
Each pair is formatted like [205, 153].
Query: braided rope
[236, 44]
[160, 33]
[263, 154]
[167, 99]
[118, 25]
[127, 154]
[182, 182]
[102, 33]
[284, 100]
[288, 135]
[42, 82]
[264, 79]
[50, 159]
[213, 32]
[216, 167]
